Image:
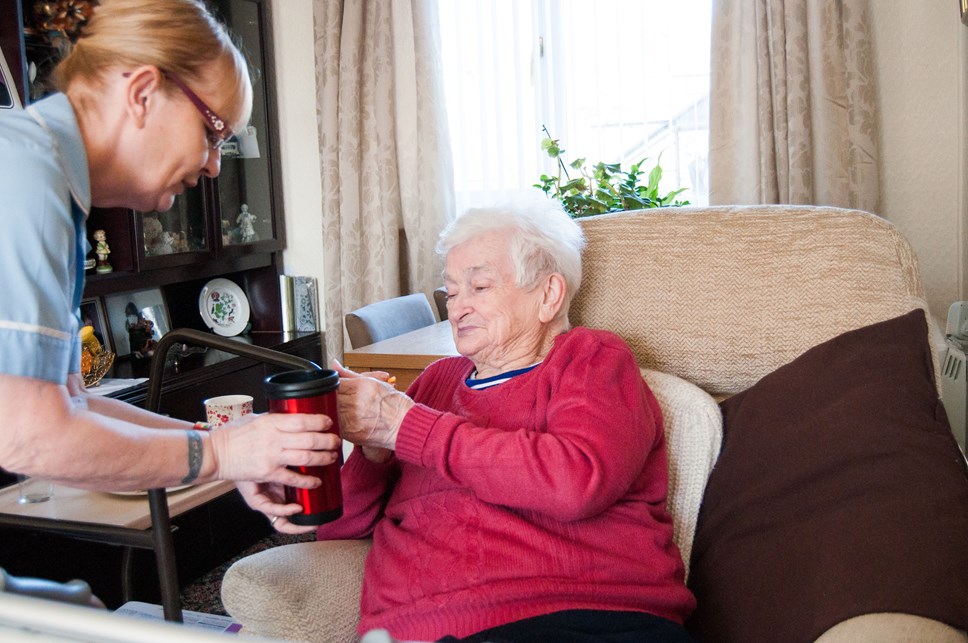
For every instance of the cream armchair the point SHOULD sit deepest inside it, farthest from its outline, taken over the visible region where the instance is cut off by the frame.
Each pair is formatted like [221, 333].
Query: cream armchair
[710, 300]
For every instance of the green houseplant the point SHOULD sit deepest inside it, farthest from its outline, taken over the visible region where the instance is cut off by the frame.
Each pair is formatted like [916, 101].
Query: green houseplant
[604, 187]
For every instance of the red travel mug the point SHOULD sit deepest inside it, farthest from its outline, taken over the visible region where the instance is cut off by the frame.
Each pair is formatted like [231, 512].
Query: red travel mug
[310, 392]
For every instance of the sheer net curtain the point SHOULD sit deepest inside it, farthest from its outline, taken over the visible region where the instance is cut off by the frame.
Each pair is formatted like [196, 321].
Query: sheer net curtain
[387, 180]
[614, 80]
[793, 115]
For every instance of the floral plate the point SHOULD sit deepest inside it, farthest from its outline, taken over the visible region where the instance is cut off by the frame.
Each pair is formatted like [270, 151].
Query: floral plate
[224, 307]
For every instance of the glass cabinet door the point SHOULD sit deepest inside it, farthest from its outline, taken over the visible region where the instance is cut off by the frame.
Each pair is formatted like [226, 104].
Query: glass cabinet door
[244, 204]
[244, 185]
[176, 235]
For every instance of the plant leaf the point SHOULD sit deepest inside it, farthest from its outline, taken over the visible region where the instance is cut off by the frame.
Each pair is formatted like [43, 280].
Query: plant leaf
[604, 187]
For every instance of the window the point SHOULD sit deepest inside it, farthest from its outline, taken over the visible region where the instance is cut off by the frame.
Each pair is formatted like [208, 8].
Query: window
[612, 80]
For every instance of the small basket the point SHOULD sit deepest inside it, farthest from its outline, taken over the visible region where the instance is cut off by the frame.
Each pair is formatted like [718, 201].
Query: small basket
[102, 362]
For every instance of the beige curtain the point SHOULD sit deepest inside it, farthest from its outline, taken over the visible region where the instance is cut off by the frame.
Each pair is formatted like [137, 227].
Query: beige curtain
[387, 178]
[793, 114]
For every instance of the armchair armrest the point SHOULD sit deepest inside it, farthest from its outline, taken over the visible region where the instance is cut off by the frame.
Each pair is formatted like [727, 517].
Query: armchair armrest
[890, 627]
[305, 591]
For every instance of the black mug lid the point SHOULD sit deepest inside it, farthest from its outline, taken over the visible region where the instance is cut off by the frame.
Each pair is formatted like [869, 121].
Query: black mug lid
[297, 384]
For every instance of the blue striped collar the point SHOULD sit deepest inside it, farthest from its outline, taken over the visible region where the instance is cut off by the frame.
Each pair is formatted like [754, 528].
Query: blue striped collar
[494, 380]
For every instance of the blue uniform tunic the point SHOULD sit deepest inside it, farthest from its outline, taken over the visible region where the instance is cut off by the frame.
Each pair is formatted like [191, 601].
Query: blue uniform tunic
[45, 196]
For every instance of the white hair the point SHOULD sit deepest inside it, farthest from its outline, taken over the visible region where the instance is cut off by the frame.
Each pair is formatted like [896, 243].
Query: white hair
[543, 240]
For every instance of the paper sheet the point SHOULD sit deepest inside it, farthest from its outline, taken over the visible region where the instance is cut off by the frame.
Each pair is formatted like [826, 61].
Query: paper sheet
[110, 385]
[211, 622]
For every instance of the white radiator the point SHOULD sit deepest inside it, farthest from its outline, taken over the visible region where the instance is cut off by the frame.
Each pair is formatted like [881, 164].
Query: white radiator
[954, 370]
[954, 389]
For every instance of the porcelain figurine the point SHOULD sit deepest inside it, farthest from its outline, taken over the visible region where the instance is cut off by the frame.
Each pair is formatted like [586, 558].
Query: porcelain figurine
[102, 249]
[246, 228]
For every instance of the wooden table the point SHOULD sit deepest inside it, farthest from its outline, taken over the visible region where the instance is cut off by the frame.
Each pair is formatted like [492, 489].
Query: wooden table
[404, 356]
[69, 505]
[113, 519]
[144, 522]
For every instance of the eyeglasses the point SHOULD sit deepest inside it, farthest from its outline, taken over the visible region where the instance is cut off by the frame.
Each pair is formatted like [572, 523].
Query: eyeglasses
[219, 131]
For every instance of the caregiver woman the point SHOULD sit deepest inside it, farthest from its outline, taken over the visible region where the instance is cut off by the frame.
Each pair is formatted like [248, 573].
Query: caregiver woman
[149, 93]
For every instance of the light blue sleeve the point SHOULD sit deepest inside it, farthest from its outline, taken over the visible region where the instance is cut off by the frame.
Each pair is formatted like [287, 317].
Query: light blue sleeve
[38, 247]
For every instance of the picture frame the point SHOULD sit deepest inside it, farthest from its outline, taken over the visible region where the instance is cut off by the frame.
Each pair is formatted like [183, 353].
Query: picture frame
[93, 314]
[964, 11]
[139, 305]
[9, 96]
[305, 304]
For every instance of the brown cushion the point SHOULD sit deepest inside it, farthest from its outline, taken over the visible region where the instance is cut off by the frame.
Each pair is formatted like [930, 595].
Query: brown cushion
[839, 491]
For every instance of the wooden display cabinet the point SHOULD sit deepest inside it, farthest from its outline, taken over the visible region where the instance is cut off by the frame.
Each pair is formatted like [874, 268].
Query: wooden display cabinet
[207, 233]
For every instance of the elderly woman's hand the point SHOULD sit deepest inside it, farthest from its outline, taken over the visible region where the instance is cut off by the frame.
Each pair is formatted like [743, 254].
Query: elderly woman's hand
[370, 411]
[270, 499]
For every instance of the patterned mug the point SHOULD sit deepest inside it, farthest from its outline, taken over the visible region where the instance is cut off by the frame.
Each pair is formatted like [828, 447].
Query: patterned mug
[226, 408]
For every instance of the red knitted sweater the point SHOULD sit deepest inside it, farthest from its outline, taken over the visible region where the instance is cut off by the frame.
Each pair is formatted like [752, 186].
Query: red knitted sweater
[545, 493]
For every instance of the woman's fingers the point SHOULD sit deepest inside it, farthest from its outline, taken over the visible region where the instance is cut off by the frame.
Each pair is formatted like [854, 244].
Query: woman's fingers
[346, 373]
[342, 371]
[283, 525]
[269, 499]
[260, 450]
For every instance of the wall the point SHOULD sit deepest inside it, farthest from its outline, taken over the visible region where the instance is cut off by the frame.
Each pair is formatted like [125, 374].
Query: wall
[920, 48]
[292, 31]
[920, 54]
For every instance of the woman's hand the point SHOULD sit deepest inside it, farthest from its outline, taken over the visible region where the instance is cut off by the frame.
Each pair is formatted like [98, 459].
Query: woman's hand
[262, 447]
[269, 499]
[370, 411]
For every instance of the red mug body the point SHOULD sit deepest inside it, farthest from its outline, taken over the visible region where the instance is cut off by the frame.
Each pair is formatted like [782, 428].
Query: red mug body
[314, 392]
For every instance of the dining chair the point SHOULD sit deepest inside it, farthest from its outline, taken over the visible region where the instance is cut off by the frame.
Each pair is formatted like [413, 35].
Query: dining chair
[440, 298]
[388, 318]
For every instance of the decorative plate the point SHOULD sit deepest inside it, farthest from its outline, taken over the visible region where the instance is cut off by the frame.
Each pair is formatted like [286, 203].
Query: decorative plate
[224, 307]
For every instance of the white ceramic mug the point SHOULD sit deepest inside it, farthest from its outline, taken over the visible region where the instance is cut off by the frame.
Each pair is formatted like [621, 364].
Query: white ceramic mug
[226, 408]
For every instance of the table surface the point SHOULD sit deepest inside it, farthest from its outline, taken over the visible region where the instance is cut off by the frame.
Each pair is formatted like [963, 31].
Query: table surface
[404, 356]
[103, 508]
[415, 349]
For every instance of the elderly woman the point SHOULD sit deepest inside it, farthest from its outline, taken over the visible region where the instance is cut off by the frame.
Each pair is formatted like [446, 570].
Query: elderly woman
[149, 93]
[518, 492]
